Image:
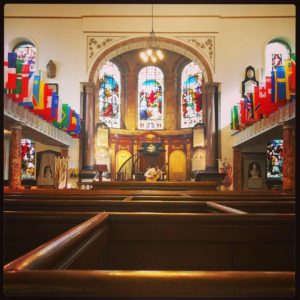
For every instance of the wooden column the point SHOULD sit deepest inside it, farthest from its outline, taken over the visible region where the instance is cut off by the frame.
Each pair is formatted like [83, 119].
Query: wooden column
[15, 158]
[288, 166]
[237, 169]
[167, 158]
[113, 161]
[88, 127]
[209, 119]
[188, 161]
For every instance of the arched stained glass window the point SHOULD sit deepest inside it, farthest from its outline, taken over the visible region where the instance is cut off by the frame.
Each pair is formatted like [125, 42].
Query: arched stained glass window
[28, 159]
[109, 95]
[151, 98]
[276, 53]
[26, 51]
[191, 95]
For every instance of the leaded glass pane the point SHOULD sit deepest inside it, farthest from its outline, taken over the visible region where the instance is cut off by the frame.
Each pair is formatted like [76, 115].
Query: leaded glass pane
[28, 159]
[276, 54]
[150, 98]
[109, 95]
[191, 95]
[27, 52]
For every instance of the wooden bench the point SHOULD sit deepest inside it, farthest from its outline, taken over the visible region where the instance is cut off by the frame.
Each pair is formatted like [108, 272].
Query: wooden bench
[134, 254]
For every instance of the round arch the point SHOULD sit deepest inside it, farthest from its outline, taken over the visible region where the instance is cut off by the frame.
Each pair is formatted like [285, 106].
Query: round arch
[139, 43]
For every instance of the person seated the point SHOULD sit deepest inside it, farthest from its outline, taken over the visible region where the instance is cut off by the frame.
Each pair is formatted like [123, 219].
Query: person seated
[153, 174]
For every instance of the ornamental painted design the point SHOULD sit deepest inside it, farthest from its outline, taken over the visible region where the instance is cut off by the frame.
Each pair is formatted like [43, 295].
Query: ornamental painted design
[206, 45]
[96, 44]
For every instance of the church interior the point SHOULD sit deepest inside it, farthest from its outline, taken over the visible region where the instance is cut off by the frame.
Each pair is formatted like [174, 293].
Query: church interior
[149, 150]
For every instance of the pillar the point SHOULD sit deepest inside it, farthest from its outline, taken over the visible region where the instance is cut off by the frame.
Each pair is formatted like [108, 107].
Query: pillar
[15, 158]
[87, 172]
[188, 161]
[210, 120]
[113, 161]
[237, 169]
[288, 165]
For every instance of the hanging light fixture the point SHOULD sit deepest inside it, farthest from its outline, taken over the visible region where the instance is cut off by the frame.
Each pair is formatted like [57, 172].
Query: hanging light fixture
[152, 51]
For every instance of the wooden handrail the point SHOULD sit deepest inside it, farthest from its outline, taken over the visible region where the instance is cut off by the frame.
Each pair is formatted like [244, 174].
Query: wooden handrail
[225, 208]
[50, 253]
[119, 283]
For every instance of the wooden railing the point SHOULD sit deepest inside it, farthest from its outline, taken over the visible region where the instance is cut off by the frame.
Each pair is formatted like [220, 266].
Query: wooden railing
[69, 264]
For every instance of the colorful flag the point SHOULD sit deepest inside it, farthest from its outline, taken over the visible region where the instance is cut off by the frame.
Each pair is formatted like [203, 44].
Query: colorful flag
[234, 118]
[257, 104]
[270, 105]
[249, 108]
[41, 101]
[54, 106]
[242, 113]
[5, 64]
[27, 101]
[45, 112]
[65, 116]
[292, 82]
[72, 125]
[36, 90]
[280, 88]
[11, 72]
[25, 82]
[77, 130]
[18, 89]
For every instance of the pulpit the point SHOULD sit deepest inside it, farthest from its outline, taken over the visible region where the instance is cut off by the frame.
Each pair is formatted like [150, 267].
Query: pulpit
[100, 169]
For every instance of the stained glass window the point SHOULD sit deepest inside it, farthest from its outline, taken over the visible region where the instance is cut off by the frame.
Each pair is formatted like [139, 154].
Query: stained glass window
[274, 159]
[150, 98]
[28, 159]
[191, 95]
[27, 52]
[109, 95]
[276, 53]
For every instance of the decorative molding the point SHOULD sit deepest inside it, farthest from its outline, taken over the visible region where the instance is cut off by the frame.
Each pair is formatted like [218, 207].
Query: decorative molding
[30, 120]
[206, 45]
[96, 44]
[283, 114]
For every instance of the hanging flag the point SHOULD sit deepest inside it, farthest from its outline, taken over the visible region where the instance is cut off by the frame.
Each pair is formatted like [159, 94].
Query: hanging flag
[45, 112]
[25, 82]
[72, 125]
[65, 116]
[77, 130]
[27, 101]
[257, 104]
[11, 73]
[234, 118]
[248, 103]
[36, 90]
[57, 122]
[292, 82]
[270, 105]
[273, 85]
[18, 89]
[242, 113]
[54, 106]
[5, 65]
[41, 101]
[280, 85]
[288, 77]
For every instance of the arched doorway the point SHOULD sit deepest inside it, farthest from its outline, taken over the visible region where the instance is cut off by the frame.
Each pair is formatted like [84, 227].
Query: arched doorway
[121, 157]
[177, 166]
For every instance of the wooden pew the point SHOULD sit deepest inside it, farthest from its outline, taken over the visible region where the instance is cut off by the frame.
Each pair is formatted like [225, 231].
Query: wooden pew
[180, 255]
[24, 231]
[147, 195]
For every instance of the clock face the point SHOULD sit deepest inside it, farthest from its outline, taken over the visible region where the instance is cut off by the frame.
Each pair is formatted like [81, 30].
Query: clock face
[250, 73]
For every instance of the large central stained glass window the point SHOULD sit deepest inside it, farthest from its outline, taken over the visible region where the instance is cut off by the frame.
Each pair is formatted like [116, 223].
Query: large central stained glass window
[151, 98]
[191, 95]
[109, 95]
